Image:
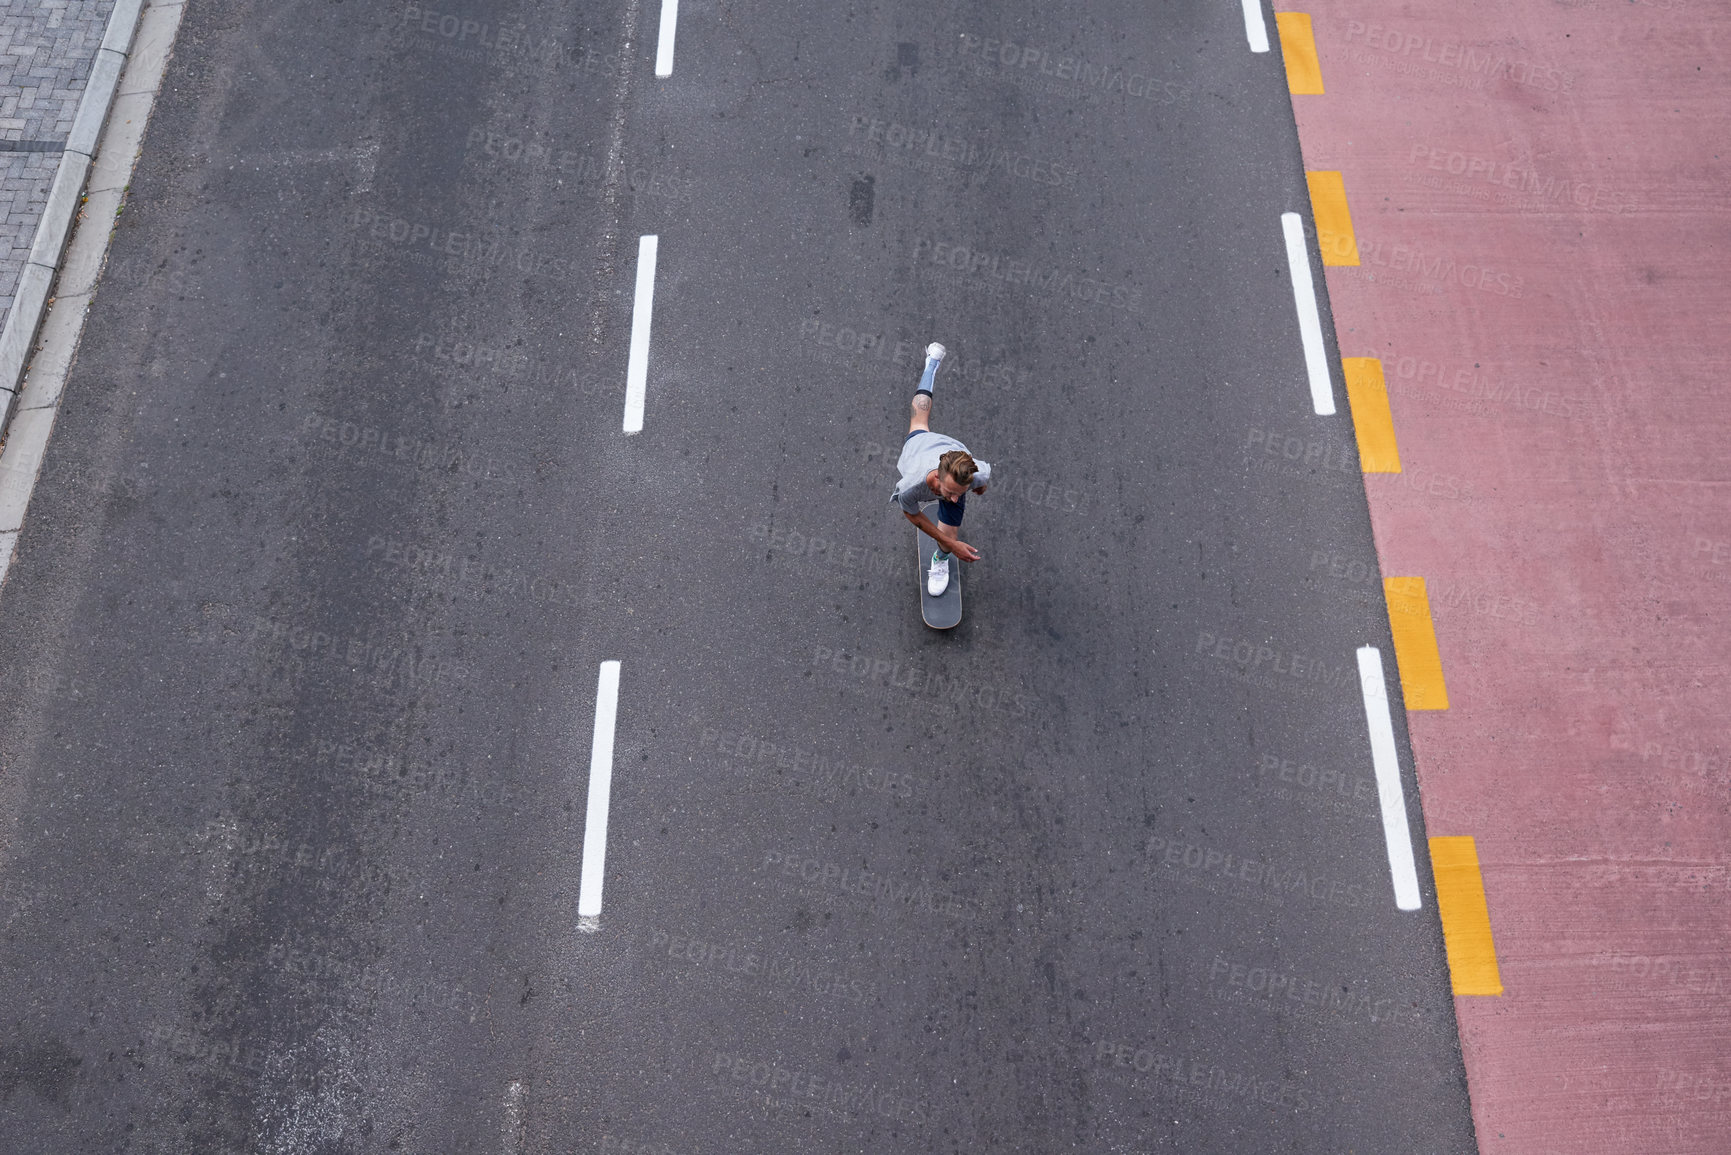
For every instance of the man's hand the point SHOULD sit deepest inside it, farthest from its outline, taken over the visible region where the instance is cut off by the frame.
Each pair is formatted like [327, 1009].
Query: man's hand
[954, 544]
[963, 550]
[979, 489]
[944, 535]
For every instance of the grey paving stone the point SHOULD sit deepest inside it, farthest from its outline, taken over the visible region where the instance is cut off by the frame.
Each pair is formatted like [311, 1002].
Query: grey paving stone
[46, 52]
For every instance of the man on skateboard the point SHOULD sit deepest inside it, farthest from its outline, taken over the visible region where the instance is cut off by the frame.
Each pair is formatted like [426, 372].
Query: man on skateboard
[937, 468]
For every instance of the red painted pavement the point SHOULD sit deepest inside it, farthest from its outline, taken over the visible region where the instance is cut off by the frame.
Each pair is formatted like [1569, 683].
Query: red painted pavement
[1540, 194]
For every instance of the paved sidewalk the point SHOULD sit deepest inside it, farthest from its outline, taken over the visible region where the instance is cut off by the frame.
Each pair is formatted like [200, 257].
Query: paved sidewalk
[46, 50]
[1538, 196]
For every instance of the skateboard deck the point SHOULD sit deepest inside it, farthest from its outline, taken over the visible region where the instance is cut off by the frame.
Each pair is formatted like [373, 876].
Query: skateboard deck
[945, 610]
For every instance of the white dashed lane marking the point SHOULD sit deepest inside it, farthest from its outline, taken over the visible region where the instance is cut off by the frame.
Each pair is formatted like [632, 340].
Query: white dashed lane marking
[664, 46]
[1255, 28]
[600, 796]
[637, 368]
[1386, 762]
[1309, 319]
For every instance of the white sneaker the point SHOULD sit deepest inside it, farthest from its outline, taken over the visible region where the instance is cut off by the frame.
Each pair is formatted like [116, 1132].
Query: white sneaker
[938, 576]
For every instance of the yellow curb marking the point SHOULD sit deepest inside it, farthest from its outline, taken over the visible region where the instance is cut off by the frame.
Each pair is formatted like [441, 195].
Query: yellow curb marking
[1372, 421]
[1333, 223]
[1466, 918]
[1298, 46]
[1415, 648]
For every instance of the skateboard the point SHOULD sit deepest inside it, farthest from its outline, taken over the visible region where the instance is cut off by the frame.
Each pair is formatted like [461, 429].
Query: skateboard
[945, 610]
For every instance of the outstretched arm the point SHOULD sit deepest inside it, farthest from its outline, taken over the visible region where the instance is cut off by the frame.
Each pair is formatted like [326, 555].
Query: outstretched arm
[944, 535]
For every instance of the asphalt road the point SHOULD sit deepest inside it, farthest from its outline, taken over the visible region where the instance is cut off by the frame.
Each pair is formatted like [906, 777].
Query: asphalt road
[339, 523]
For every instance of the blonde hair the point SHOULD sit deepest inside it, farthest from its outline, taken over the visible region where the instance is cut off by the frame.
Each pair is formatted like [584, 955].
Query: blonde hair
[959, 464]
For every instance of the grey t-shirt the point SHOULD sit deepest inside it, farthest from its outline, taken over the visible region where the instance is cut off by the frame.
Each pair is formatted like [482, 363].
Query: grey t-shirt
[919, 457]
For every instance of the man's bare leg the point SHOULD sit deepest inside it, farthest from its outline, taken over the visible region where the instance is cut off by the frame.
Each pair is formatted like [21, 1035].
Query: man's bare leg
[920, 413]
[920, 417]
